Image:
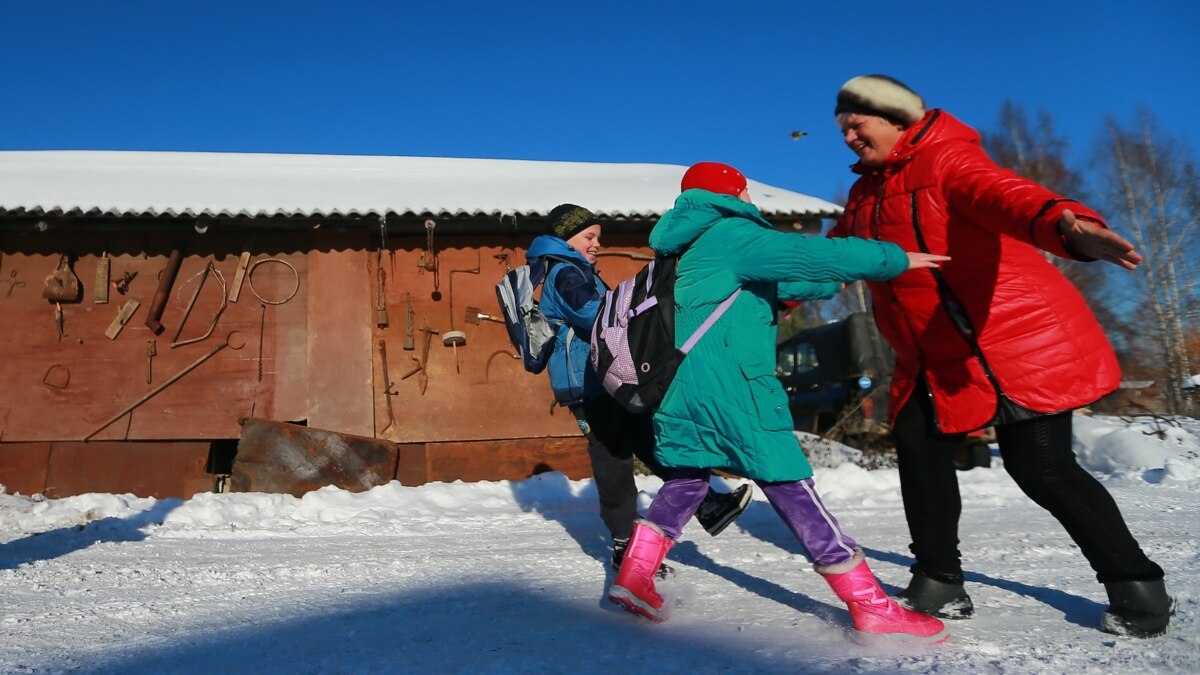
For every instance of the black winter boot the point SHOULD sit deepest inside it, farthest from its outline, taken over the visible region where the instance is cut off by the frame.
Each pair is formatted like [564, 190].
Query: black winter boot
[1140, 609]
[942, 599]
[718, 510]
[619, 546]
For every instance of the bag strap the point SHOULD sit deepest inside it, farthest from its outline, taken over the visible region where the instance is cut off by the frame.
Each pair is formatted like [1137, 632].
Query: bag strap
[708, 323]
[549, 259]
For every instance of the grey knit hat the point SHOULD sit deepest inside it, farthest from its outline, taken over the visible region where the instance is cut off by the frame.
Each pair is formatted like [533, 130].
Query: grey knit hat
[881, 96]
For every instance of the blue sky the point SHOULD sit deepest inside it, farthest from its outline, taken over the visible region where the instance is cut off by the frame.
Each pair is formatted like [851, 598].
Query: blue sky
[667, 82]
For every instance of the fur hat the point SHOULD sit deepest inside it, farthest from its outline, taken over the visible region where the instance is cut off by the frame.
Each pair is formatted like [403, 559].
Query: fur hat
[566, 220]
[714, 177]
[881, 96]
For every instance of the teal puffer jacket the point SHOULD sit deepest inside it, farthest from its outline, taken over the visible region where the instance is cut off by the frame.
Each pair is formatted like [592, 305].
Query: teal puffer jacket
[726, 409]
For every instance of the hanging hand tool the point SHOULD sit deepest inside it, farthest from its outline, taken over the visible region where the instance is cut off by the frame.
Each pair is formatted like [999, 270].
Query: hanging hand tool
[383, 242]
[123, 315]
[388, 393]
[203, 274]
[103, 269]
[163, 292]
[487, 366]
[456, 338]
[473, 270]
[239, 276]
[12, 282]
[171, 380]
[423, 377]
[409, 343]
[58, 320]
[263, 302]
[62, 285]
[277, 261]
[430, 264]
[122, 286]
[151, 352]
[475, 315]
[381, 316]
[415, 369]
[262, 329]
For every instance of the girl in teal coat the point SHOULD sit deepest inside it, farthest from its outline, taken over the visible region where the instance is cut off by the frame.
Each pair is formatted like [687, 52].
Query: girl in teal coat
[726, 409]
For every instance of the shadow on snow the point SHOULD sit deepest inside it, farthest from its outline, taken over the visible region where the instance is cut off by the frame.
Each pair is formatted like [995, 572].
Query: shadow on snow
[477, 628]
[56, 543]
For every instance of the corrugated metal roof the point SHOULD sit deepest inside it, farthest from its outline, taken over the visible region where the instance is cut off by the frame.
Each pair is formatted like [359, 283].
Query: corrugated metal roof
[110, 183]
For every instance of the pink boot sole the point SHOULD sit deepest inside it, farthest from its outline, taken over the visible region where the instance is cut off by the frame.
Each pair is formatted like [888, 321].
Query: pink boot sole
[632, 604]
[899, 639]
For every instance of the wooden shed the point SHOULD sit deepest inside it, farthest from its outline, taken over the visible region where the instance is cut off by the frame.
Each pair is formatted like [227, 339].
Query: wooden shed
[183, 322]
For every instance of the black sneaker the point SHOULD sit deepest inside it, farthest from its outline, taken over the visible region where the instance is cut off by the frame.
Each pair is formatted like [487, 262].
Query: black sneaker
[619, 546]
[719, 509]
[936, 598]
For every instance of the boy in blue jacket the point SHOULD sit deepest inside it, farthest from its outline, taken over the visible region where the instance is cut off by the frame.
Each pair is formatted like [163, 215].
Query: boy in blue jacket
[571, 297]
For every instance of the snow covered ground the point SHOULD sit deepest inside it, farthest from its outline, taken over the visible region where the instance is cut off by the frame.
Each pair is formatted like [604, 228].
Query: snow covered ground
[510, 577]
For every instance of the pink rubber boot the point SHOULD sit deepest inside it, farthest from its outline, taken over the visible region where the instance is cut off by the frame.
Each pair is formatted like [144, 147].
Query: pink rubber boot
[873, 612]
[634, 586]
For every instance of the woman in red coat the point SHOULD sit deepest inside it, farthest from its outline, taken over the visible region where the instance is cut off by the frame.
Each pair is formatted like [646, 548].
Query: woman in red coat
[996, 337]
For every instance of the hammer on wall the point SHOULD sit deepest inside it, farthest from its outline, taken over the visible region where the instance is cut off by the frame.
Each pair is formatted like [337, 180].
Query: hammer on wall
[165, 282]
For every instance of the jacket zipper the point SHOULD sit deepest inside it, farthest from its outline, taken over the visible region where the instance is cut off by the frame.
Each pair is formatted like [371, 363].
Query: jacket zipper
[571, 382]
[873, 226]
[957, 313]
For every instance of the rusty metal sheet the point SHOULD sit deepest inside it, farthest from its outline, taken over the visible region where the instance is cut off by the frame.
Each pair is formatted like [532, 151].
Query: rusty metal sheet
[278, 457]
[339, 334]
[23, 467]
[159, 469]
[511, 459]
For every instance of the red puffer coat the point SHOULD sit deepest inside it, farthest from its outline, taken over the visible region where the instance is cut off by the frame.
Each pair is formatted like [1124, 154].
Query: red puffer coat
[998, 324]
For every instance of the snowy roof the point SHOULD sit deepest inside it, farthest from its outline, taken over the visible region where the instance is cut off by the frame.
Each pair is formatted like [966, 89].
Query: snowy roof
[214, 184]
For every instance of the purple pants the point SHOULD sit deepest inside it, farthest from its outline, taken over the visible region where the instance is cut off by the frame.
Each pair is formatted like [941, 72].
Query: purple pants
[797, 502]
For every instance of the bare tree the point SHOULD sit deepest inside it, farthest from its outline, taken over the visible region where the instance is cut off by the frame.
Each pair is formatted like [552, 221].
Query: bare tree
[1035, 152]
[1152, 191]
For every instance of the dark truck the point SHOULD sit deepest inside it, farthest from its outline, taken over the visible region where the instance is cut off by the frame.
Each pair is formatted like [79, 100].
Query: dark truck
[832, 374]
[836, 379]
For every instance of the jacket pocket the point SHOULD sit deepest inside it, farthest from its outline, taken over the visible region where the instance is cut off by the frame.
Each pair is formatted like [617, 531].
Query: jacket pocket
[771, 403]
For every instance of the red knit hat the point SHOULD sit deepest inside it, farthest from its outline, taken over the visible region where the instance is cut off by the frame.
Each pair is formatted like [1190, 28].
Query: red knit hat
[714, 177]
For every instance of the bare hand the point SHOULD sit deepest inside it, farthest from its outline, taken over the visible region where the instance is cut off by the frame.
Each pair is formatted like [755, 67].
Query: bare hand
[1093, 241]
[917, 261]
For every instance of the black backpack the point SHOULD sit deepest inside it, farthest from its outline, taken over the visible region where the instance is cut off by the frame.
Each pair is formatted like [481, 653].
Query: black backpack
[633, 339]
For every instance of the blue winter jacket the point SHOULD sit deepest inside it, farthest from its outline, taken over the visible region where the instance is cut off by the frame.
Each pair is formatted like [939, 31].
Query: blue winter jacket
[571, 374]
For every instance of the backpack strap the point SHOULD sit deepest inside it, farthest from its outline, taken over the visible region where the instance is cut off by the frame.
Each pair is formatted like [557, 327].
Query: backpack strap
[551, 258]
[708, 323]
[545, 262]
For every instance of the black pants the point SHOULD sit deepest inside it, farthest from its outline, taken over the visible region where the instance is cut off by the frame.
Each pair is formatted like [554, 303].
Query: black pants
[1037, 454]
[615, 436]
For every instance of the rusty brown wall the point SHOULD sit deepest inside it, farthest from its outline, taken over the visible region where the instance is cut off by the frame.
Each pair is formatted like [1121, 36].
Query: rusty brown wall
[314, 358]
[163, 469]
[63, 389]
